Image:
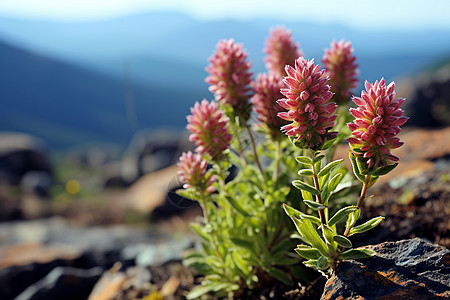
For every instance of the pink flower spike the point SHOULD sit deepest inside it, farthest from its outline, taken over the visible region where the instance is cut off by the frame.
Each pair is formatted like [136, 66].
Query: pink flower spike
[378, 118]
[209, 127]
[311, 112]
[281, 50]
[230, 76]
[267, 92]
[340, 65]
[193, 173]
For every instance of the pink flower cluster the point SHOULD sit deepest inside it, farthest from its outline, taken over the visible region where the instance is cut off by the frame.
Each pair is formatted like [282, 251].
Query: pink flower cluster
[281, 50]
[267, 92]
[341, 67]
[230, 76]
[307, 102]
[378, 118]
[209, 127]
[193, 172]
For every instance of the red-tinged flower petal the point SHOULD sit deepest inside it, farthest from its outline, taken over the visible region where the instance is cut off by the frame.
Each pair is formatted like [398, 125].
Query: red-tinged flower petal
[265, 104]
[193, 172]
[377, 120]
[281, 50]
[340, 66]
[230, 76]
[209, 128]
[308, 105]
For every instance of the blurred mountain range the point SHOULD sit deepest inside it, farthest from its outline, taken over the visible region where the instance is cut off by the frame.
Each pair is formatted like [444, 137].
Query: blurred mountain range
[85, 82]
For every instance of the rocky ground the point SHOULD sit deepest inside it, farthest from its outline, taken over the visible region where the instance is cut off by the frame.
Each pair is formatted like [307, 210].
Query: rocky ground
[110, 246]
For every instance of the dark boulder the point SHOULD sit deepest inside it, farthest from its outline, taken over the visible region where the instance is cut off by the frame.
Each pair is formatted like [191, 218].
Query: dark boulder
[20, 154]
[407, 269]
[63, 283]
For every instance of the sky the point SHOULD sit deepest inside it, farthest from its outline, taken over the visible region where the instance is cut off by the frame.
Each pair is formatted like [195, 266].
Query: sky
[408, 14]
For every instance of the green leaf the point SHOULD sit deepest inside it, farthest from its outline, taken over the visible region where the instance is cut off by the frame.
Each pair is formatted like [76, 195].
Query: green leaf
[342, 241]
[314, 205]
[199, 230]
[334, 181]
[190, 193]
[372, 181]
[358, 175]
[352, 218]
[329, 234]
[310, 235]
[322, 263]
[280, 275]
[341, 214]
[200, 290]
[318, 158]
[236, 205]
[328, 144]
[357, 254]
[307, 195]
[312, 263]
[305, 172]
[384, 170]
[312, 219]
[304, 160]
[325, 195]
[290, 211]
[329, 166]
[361, 162]
[366, 226]
[323, 180]
[245, 244]
[240, 263]
[306, 187]
[307, 252]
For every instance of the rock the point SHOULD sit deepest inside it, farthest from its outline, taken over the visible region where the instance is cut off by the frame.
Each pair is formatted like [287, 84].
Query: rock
[28, 253]
[63, 283]
[427, 96]
[109, 285]
[32, 249]
[151, 151]
[37, 182]
[150, 191]
[20, 154]
[407, 269]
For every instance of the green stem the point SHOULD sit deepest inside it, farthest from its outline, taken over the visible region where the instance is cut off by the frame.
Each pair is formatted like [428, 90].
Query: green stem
[277, 161]
[255, 153]
[323, 220]
[240, 147]
[360, 202]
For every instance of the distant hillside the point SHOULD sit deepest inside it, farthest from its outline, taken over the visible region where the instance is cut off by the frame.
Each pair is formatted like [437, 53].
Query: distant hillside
[68, 82]
[158, 45]
[67, 105]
